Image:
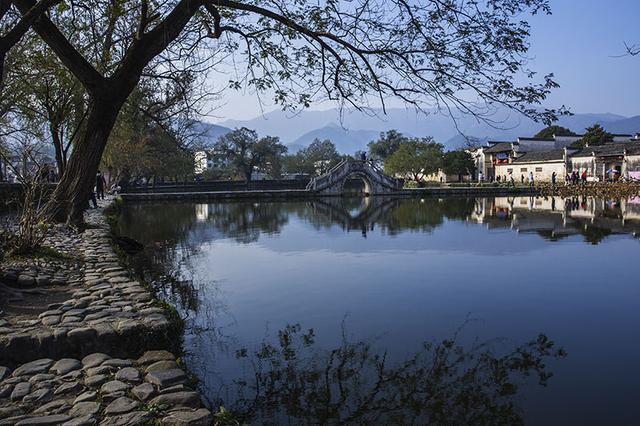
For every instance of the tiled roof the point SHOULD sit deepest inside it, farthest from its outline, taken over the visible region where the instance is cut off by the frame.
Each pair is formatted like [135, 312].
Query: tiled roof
[609, 149]
[536, 139]
[539, 156]
[499, 147]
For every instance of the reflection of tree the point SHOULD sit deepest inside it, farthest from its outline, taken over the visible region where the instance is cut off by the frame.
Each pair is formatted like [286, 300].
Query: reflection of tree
[444, 383]
[245, 221]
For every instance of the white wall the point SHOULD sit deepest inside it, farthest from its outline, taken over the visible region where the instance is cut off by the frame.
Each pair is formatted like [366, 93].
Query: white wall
[541, 171]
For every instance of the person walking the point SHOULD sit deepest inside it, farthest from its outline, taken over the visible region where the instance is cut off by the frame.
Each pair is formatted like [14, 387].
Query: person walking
[512, 182]
[584, 176]
[100, 184]
[531, 182]
[553, 179]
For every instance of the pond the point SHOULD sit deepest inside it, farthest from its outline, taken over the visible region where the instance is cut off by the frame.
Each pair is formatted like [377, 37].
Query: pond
[375, 278]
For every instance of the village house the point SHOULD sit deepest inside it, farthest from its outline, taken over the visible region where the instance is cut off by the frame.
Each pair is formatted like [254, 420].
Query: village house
[541, 163]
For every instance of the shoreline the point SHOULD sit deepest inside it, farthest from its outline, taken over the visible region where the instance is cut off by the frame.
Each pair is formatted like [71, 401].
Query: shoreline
[105, 337]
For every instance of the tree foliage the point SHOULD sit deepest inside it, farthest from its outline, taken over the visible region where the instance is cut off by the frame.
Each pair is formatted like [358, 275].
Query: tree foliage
[317, 158]
[549, 131]
[245, 152]
[386, 144]
[416, 158]
[595, 135]
[458, 162]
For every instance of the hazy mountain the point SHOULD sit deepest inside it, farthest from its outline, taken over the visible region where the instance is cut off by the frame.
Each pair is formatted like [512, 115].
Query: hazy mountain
[355, 129]
[209, 132]
[346, 141]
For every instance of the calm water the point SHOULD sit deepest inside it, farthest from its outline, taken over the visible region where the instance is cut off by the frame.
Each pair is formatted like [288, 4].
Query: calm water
[397, 273]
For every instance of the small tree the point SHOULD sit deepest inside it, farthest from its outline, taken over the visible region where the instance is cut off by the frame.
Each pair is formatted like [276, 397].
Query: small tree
[245, 152]
[594, 136]
[386, 145]
[550, 131]
[317, 158]
[458, 162]
[416, 158]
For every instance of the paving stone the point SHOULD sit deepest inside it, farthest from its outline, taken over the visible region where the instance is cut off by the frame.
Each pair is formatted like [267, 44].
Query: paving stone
[82, 421]
[20, 390]
[70, 387]
[154, 356]
[182, 399]
[54, 407]
[114, 386]
[82, 409]
[66, 365]
[50, 321]
[54, 419]
[94, 360]
[166, 378]
[144, 391]
[5, 390]
[41, 377]
[117, 362]
[4, 372]
[135, 418]
[86, 396]
[128, 374]
[121, 405]
[162, 365]
[201, 417]
[39, 396]
[33, 367]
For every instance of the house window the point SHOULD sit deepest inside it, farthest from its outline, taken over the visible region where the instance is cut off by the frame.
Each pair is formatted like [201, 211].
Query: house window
[523, 169]
[509, 170]
[538, 169]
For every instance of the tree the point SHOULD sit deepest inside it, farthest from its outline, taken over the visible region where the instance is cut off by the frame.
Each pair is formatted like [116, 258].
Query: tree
[421, 53]
[458, 162]
[386, 145]
[315, 159]
[550, 131]
[595, 135]
[416, 158]
[246, 153]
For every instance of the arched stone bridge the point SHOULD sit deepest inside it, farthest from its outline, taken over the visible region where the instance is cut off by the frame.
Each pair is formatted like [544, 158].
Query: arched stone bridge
[375, 181]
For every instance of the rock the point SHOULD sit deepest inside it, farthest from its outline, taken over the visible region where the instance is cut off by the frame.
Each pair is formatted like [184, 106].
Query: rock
[5, 390]
[70, 387]
[95, 381]
[121, 405]
[82, 409]
[38, 397]
[86, 396]
[54, 419]
[130, 419]
[117, 362]
[94, 360]
[4, 373]
[26, 280]
[166, 378]
[183, 399]
[201, 417]
[128, 374]
[51, 320]
[41, 377]
[82, 333]
[66, 365]
[162, 365]
[154, 356]
[81, 421]
[20, 390]
[144, 391]
[175, 388]
[34, 367]
[101, 369]
[114, 386]
[56, 406]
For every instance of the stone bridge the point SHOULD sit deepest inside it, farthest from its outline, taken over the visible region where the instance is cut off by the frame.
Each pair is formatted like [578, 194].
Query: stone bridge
[375, 181]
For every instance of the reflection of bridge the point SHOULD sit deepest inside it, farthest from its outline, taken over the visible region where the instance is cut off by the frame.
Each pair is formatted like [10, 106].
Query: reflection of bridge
[370, 211]
[375, 181]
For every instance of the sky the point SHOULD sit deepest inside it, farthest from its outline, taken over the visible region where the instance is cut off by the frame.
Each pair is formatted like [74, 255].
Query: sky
[580, 43]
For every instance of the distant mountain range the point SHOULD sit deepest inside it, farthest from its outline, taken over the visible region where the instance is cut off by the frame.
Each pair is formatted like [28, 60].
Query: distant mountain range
[351, 131]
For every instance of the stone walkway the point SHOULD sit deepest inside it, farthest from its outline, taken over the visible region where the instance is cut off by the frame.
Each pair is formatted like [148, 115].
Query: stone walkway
[72, 362]
[107, 310]
[100, 390]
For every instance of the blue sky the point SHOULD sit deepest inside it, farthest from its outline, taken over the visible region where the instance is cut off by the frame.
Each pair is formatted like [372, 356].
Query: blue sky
[578, 43]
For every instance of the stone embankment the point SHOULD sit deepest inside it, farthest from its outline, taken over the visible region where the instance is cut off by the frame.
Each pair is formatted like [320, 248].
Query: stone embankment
[99, 389]
[72, 330]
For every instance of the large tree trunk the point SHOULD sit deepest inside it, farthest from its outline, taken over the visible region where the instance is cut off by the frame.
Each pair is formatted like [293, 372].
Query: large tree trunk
[69, 200]
[57, 143]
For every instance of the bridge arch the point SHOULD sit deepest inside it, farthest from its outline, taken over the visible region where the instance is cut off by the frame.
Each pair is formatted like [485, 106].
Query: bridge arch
[376, 182]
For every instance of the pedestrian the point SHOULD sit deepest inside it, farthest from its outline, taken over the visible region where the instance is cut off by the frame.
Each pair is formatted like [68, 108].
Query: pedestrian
[100, 184]
[511, 180]
[522, 179]
[553, 179]
[584, 176]
[92, 198]
[531, 182]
